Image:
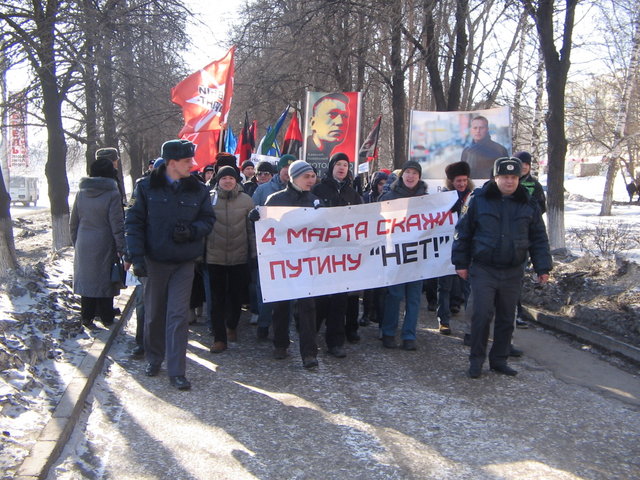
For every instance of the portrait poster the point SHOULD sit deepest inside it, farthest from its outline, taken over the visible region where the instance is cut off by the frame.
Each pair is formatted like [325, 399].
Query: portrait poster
[437, 139]
[331, 125]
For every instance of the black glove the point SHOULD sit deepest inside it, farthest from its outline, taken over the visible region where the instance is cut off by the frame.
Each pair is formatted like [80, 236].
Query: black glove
[253, 263]
[181, 233]
[254, 214]
[140, 269]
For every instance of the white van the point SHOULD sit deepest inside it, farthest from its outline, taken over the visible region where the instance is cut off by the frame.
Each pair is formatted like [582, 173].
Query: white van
[24, 190]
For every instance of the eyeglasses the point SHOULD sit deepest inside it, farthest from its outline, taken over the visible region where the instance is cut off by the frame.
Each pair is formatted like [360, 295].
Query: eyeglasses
[264, 174]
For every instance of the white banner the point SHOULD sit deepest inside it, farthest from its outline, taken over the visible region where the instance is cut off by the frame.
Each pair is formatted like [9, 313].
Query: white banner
[306, 252]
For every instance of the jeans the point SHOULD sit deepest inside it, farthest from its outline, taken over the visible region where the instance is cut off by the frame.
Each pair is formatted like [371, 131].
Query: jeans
[411, 292]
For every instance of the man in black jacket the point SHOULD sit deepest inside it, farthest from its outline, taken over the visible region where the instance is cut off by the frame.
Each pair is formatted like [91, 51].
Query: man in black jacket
[500, 227]
[335, 190]
[165, 226]
[302, 178]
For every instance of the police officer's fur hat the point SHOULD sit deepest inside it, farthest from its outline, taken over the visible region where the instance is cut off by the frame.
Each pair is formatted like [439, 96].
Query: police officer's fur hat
[178, 149]
[507, 166]
[109, 153]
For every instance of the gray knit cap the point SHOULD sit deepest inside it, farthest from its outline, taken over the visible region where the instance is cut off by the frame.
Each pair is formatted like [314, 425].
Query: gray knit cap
[299, 167]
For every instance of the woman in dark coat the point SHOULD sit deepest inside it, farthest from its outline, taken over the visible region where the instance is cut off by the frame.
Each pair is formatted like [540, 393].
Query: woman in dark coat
[97, 233]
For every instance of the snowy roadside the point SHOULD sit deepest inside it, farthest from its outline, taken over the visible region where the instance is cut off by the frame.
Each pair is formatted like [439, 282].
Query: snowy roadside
[41, 340]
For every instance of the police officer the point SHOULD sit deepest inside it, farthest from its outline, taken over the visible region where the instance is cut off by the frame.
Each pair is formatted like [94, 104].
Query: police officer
[501, 225]
[165, 225]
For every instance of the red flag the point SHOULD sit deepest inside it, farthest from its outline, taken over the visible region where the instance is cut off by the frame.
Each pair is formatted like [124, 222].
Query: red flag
[206, 147]
[246, 140]
[293, 137]
[369, 149]
[205, 96]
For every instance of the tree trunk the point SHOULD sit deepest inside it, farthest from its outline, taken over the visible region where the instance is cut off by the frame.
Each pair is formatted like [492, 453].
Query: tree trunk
[457, 71]
[607, 197]
[619, 132]
[398, 93]
[90, 87]
[557, 67]
[56, 167]
[536, 128]
[8, 258]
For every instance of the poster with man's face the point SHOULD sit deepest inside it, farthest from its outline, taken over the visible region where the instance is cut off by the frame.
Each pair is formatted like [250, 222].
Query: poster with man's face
[478, 137]
[332, 124]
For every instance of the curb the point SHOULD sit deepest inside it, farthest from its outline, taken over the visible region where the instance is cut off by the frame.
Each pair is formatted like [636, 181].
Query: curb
[582, 333]
[55, 435]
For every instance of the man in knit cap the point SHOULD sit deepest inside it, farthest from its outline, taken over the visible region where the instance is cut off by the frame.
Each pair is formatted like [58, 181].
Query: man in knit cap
[278, 182]
[335, 190]
[408, 184]
[296, 194]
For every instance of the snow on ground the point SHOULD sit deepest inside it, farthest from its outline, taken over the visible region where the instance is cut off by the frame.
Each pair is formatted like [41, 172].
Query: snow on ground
[582, 212]
[41, 341]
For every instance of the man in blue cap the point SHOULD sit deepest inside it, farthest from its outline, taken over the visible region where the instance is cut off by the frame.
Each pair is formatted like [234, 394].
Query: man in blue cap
[165, 225]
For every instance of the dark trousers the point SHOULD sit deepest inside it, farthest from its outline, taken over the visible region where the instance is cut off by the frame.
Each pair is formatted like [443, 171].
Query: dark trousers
[228, 282]
[351, 316]
[451, 291]
[139, 298]
[166, 320]
[430, 287]
[332, 308]
[100, 306]
[373, 304]
[197, 288]
[306, 325]
[494, 290]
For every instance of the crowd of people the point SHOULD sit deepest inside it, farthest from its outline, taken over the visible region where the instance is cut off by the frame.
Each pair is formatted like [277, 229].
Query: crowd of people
[189, 239]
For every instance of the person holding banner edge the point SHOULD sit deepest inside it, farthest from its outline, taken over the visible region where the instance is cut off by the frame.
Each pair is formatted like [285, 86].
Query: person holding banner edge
[408, 184]
[500, 226]
[297, 194]
[457, 179]
[277, 183]
[335, 191]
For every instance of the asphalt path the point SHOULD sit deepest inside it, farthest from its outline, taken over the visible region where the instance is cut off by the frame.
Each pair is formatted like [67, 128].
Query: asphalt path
[376, 414]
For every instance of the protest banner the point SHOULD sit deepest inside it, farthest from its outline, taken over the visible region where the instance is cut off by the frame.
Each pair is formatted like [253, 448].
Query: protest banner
[306, 252]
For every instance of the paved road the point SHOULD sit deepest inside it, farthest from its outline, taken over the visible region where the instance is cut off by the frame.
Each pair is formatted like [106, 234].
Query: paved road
[377, 414]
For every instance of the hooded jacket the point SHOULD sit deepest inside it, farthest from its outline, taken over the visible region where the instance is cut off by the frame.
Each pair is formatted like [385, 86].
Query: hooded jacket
[292, 197]
[498, 231]
[157, 207]
[372, 195]
[263, 191]
[334, 193]
[96, 226]
[399, 190]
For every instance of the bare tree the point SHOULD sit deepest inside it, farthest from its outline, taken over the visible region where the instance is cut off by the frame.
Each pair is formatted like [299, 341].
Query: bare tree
[619, 132]
[557, 65]
[35, 29]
